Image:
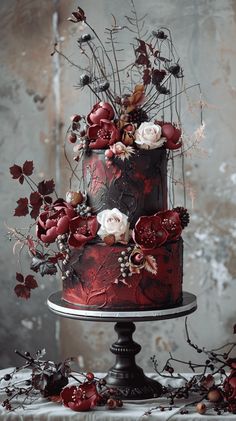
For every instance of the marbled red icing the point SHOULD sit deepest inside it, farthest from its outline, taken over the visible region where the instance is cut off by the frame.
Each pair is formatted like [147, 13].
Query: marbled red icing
[136, 186]
[97, 268]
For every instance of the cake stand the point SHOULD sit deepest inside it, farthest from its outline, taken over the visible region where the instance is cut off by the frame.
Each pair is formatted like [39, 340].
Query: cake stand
[126, 377]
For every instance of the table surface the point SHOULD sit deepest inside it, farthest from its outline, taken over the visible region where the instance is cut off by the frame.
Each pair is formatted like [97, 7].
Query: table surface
[44, 410]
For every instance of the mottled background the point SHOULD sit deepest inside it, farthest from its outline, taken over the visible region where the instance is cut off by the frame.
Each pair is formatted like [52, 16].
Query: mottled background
[37, 99]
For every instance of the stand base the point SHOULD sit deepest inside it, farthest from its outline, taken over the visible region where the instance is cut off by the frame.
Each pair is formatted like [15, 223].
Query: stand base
[126, 377]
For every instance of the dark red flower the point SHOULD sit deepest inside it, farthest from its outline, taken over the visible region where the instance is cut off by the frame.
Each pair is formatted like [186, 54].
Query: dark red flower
[100, 111]
[149, 232]
[103, 135]
[170, 220]
[172, 134]
[54, 221]
[80, 398]
[82, 229]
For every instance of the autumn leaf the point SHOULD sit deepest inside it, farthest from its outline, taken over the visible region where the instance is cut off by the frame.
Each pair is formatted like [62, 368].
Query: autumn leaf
[22, 208]
[30, 282]
[22, 291]
[16, 171]
[151, 264]
[19, 277]
[46, 187]
[28, 168]
[36, 202]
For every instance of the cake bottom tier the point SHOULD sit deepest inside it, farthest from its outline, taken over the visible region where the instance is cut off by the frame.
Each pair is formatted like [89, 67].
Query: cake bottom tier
[97, 281]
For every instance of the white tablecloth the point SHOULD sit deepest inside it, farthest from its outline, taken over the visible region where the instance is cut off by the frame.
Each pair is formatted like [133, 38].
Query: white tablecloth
[44, 410]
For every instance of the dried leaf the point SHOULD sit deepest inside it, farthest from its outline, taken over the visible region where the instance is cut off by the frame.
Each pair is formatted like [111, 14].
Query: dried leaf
[19, 277]
[22, 208]
[151, 264]
[30, 282]
[22, 291]
[16, 171]
[46, 187]
[146, 76]
[28, 168]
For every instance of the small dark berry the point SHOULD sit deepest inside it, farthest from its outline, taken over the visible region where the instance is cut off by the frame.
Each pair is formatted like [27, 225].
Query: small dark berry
[7, 377]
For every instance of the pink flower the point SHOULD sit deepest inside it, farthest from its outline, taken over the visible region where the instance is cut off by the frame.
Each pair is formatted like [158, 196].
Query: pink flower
[100, 111]
[102, 135]
[170, 220]
[121, 151]
[80, 398]
[149, 232]
[54, 221]
[82, 229]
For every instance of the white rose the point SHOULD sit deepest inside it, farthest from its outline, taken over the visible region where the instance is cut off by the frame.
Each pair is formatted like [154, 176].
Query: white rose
[113, 222]
[148, 136]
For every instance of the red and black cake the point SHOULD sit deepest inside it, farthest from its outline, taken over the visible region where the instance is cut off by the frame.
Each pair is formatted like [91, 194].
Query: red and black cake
[119, 242]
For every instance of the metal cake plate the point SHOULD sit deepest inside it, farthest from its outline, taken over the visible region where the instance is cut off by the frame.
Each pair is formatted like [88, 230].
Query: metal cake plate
[65, 309]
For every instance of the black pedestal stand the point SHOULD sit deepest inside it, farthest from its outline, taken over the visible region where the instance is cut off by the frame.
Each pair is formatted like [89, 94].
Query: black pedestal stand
[125, 376]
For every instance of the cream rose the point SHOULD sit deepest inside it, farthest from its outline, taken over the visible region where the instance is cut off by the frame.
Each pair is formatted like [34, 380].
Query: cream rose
[148, 136]
[113, 222]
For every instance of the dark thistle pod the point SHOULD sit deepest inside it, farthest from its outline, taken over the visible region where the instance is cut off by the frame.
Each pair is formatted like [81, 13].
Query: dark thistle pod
[85, 79]
[84, 38]
[102, 87]
[159, 34]
[176, 70]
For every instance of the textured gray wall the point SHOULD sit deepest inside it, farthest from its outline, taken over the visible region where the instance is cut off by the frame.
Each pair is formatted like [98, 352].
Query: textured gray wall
[31, 128]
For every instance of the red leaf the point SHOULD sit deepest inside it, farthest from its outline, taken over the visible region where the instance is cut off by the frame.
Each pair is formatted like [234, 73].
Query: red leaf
[22, 291]
[142, 60]
[22, 208]
[146, 77]
[19, 277]
[142, 47]
[36, 199]
[48, 200]
[35, 212]
[28, 167]
[30, 282]
[21, 179]
[16, 171]
[46, 187]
